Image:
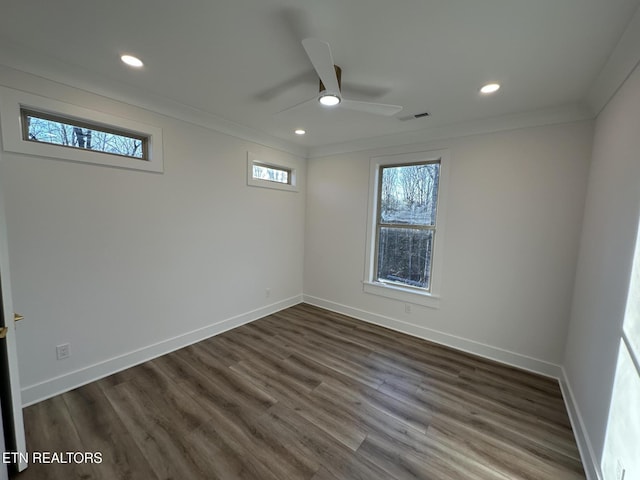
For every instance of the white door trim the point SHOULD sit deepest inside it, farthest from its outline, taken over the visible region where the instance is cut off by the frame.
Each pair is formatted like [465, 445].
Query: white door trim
[15, 407]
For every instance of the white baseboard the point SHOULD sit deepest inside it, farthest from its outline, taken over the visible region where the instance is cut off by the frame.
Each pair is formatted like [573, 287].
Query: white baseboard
[49, 388]
[459, 343]
[591, 468]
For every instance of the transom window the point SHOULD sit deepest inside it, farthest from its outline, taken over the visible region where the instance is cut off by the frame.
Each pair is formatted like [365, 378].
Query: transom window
[271, 173]
[406, 223]
[42, 127]
[65, 132]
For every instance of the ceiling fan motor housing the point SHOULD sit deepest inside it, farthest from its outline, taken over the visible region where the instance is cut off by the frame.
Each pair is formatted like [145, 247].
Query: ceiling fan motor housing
[338, 76]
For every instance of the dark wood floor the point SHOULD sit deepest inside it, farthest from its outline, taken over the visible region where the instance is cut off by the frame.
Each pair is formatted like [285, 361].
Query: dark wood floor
[310, 394]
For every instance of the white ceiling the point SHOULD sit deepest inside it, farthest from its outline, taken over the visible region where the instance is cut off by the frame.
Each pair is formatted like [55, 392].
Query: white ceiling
[242, 60]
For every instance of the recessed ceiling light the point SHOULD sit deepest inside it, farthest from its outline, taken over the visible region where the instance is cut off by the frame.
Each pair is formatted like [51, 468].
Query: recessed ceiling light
[329, 100]
[132, 61]
[300, 131]
[490, 88]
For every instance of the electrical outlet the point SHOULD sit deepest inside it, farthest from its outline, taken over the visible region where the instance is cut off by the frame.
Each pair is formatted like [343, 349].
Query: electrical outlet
[620, 471]
[267, 292]
[407, 308]
[63, 351]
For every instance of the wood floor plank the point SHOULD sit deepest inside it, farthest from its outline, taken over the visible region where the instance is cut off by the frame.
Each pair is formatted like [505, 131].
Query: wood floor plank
[324, 474]
[413, 415]
[106, 433]
[221, 384]
[372, 419]
[553, 446]
[298, 398]
[229, 458]
[236, 430]
[337, 360]
[309, 394]
[158, 430]
[502, 455]
[544, 407]
[49, 427]
[431, 464]
[320, 446]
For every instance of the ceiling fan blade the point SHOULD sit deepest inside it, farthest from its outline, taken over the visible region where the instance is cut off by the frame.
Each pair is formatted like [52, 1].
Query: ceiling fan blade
[311, 101]
[319, 53]
[368, 107]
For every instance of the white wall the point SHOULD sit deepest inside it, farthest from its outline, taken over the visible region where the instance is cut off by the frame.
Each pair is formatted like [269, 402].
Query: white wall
[126, 264]
[514, 212]
[606, 256]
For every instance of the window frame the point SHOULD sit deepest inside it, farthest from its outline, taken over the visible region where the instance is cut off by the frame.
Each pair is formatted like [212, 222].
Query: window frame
[422, 227]
[82, 123]
[291, 186]
[275, 168]
[12, 102]
[405, 293]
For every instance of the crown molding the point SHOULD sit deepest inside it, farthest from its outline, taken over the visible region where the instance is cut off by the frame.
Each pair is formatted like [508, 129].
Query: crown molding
[623, 60]
[551, 116]
[16, 60]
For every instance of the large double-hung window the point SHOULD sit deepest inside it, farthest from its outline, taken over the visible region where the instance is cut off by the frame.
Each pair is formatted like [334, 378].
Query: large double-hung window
[406, 223]
[405, 209]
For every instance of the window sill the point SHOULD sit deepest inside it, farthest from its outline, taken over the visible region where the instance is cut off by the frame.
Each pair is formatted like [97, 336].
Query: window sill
[402, 294]
[256, 182]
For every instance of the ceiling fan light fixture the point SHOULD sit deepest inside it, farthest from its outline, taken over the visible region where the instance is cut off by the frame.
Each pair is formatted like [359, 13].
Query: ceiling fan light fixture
[329, 100]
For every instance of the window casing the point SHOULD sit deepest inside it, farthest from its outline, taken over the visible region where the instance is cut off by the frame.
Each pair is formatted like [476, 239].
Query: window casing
[270, 174]
[15, 105]
[406, 227]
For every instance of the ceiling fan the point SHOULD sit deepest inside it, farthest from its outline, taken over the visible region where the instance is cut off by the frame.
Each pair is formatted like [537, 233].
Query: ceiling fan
[330, 95]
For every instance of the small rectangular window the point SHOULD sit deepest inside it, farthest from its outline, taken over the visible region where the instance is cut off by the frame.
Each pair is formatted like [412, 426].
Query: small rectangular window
[271, 173]
[57, 130]
[38, 126]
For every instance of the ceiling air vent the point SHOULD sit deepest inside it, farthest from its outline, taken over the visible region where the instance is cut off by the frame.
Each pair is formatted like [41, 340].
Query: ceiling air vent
[413, 117]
